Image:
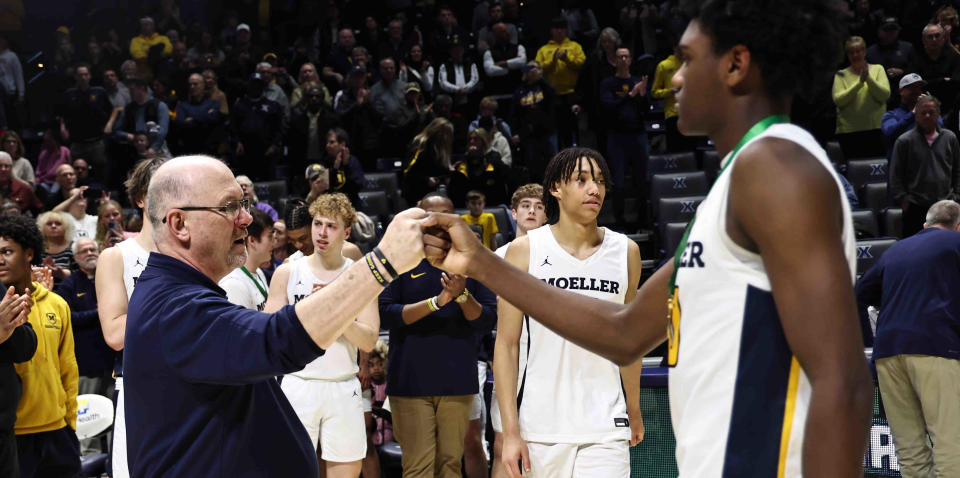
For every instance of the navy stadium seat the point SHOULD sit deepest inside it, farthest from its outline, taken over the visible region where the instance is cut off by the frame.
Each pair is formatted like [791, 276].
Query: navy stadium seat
[672, 234]
[835, 154]
[892, 222]
[865, 224]
[671, 163]
[271, 191]
[711, 164]
[386, 182]
[677, 209]
[865, 171]
[874, 196]
[869, 251]
[375, 203]
[677, 185]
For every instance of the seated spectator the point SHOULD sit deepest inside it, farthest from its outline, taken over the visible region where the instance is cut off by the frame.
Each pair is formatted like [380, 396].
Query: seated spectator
[16, 190]
[488, 109]
[416, 68]
[60, 190]
[75, 207]
[486, 36]
[459, 77]
[498, 141]
[256, 130]
[57, 231]
[213, 91]
[95, 358]
[148, 47]
[428, 165]
[197, 119]
[860, 92]
[308, 75]
[487, 223]
[891, 52]
[22, 169]
[482, 170]
[51, 157]
[310, 121]
[272, 91]
[925, 166]
[110, 226]
[146, 114]
[437, 315]
[534, 104]
[249, 193]
[318, 180]
[902, 119]
[346, 173]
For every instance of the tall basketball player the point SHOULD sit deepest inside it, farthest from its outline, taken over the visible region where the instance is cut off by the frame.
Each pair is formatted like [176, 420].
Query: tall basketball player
[769, 377]
[569, 417]
[326, 393]
[117, 271]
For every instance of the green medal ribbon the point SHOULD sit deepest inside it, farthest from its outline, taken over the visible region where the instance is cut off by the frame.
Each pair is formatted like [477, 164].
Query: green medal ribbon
[255, 281]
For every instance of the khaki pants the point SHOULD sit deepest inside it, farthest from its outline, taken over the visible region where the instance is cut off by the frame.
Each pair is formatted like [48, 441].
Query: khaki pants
[430, 431]
[920, 394]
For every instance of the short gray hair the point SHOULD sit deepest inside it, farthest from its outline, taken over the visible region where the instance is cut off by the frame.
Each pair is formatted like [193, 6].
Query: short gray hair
[944, 213]
[76, 244]
[161, 194]
[253, 190]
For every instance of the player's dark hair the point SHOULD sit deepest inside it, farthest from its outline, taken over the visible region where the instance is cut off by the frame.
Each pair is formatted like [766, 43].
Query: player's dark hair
[24, 231]
[297, 214]
[261, 222]
[562, 167]
[795, 44]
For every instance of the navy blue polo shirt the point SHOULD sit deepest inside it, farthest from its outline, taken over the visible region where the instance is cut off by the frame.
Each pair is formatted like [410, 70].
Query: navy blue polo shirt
[199, 388]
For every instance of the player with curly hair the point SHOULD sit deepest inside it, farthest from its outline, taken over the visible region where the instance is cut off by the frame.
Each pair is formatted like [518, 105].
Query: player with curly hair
[769, 377]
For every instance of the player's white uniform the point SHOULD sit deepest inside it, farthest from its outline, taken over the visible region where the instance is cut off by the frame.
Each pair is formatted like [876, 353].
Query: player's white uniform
[134, 260]
[326, 393]
[738, 397]
[243, 291]
[495, 421]
[572, 409]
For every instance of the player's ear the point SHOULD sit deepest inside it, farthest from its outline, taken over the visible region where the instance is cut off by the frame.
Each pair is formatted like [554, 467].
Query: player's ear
[736, 65]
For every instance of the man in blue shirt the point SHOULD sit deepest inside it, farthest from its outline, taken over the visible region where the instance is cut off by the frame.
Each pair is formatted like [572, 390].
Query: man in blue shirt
[917, 348]
[201, 398]
[145, 113]
[901, 119]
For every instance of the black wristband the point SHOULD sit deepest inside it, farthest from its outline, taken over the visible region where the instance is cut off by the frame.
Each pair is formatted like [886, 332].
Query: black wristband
[383, 260]
[376, 272]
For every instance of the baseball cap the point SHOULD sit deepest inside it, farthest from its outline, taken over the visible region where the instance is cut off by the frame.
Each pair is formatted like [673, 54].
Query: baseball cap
[890, 23]
[243, 26]
[358, 69]
[270, 56]
[256, 77]
[412, 86]
[313, 171]
[910, 79]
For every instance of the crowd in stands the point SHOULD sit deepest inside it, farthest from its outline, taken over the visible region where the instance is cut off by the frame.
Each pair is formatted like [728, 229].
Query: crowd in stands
[391, 101]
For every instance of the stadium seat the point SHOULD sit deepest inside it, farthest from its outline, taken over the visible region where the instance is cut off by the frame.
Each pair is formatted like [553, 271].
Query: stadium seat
[865, 171]
[869, 251]
[671, 163]
[271, 192]
[375, 203]
[672, 233]
[874, 196]
[677, 185]
[711, 164]
[865, 224]
[892, 222]
[386, 182]
[677, 209]
[389, 164]
[835, 154]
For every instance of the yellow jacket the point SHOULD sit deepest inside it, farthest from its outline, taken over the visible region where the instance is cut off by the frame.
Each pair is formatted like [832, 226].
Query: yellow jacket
[562, 74]
[663, 85]
[140, 45]
[860, 105]
[49, 399]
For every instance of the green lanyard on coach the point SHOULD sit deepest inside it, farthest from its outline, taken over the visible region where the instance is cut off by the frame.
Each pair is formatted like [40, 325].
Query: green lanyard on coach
[255, 281]
[673, 308]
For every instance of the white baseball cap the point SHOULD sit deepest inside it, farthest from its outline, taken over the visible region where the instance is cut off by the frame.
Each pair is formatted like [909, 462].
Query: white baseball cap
[243, 26]
[910, 79]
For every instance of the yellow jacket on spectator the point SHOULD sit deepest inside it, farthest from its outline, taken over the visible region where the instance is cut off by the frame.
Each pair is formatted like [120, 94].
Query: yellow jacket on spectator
[49, 399]
[140, 45]
[860, 104]
[663, 85]
[562, 74]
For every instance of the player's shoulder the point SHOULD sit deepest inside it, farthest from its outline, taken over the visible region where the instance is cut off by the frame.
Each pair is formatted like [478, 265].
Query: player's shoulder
[518, 253]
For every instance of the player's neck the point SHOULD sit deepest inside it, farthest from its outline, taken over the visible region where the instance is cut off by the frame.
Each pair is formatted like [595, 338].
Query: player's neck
[574, 235]
[329, 260]
[253, 262]
[742, 115]
[145, 238]
[22, 284]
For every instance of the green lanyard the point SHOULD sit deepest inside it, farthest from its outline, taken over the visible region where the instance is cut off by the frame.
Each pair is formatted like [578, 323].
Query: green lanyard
[754, 131]
[255, 281]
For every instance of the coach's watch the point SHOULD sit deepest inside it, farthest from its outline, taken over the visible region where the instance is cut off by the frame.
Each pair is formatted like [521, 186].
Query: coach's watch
[463, 296]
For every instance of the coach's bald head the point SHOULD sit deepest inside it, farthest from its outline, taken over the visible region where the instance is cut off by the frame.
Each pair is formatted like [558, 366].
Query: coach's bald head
[209, 236]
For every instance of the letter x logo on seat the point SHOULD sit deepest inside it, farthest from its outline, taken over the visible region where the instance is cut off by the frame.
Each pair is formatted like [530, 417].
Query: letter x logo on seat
[680, 183]
[670, 163]
[877, 170]
[863, 252]
[686, 206]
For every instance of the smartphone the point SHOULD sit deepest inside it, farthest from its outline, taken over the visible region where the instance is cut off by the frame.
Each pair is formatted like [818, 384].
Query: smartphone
[92, 193]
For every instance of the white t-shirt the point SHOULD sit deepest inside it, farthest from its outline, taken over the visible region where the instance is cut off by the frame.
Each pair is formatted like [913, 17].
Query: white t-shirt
[86, 227]
[242, 290]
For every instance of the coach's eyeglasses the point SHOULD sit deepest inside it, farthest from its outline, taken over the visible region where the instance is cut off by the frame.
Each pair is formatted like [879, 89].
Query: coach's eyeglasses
[230, 209]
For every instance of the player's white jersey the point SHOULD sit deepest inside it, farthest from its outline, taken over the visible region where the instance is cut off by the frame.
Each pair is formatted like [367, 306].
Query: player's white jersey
[568, 394]
[339, 362]
[738, 397]
[243, 291]
[134, 260]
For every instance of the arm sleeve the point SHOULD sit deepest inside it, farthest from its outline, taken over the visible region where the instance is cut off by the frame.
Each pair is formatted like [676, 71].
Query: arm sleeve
[20, 346]
[206, 339]
[576, 57]
[893, 126]
[474, 77]
[444, 84]
[661, 88]
[138, 48]
[391, 309]
[69, 374]
[163, 123]
[490, 68]
[878, 84]
[869, 291]
[843, 94]
[118, 133]
[18, 78]
[608, 100]
[427, 78]
[518, 61]
[897, 169]
[546, 59]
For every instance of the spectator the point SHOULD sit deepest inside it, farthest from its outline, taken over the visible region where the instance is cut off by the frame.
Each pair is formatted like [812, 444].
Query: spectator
[581, 23]
[110, 227]
[57, 231]
[22, 169]
[370, 33]
[925, 166]
[16, 190]
[82, 169]
[502, 62]
[12, 86]
[600, 63]
[902, 119]
[379, 429]
[86, 111]
[75, 207]
[247, 285]
[144, 114]
[94, 358]
[939, 66]
[18, 343]
[346, 173]
[318, 182]
[488, 109]
[662, 89]
[917, 343]
[359, 117]
[206, 46]
[623, 99]
[272, 91]
[308, 127]
[394, 46]
[9, 207]
[476, 201]
[561, 59]
[486, 36]
[307, 75]
[257, 127]
[860, 92]
[47, 414]
[481, 170]
[431, 399]
[128, 71]
[51, 157]
[176, 69]
[339, 61]
[534, 104]
[946, 17]
[416, 115]
[60, 190]
[198, 117]
[117, 92]
[429, 163]
[891, 52]
[250, 194]
[638, 23]
[148, 47]
[498, 142]
[459, 77]
[447, 31]
[417, 69]
[213, 91]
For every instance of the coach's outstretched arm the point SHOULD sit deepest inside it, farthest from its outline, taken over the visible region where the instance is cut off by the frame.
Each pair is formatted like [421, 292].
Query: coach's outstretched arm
[621, 333]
